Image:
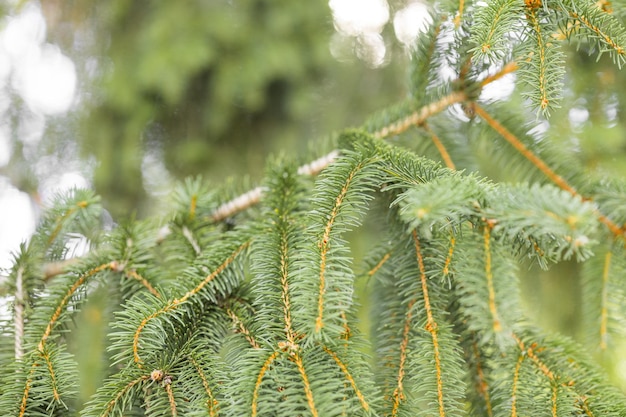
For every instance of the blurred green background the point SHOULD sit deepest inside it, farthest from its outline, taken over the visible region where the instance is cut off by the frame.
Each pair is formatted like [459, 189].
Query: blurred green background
[168, 89]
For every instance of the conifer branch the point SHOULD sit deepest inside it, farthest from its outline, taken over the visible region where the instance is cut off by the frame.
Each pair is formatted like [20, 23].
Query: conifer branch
[315, 167]
[601, 34]
[284, 294]
[440, 146]
[497, 327]
[531, 13]
[242, 328]
[379, 265]
[555, 390]
[585, 407]
[349, 377]
[19, 313]
[132, 274]
[113, 266]
[509, 68]
[238, 204]
[192, 206]
[398, 393]
[301, 277]
[41, 347]
[418, 117]
[170, 398]
[483, 388]
[459, 16]
[325, 246]
[446, 265]
[172, 305]
[307, 386]
[52, 269]
[253, 196]
[431, 324]
[61, 220]
[192, 240]
[530, 353]
[120, 394]
[27, 387]
[516, 375]
[211, 402]
[542, 166]
[523, 149]
[259, 380]
[53, 380]
[346, 327]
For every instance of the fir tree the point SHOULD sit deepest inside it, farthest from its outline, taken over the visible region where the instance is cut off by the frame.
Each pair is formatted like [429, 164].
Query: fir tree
[246, 305]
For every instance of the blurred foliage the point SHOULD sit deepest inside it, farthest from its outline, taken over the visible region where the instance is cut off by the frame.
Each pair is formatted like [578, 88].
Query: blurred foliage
[205, 87]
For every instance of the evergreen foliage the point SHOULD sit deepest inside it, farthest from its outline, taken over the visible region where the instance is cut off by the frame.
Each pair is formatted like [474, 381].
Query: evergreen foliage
[248, 306]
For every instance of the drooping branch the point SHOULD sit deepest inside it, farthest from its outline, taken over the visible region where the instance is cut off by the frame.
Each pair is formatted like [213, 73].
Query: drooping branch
[211, 403]
[349, 377]
[431, 324]
[259, 380]
[307, 385]
[120, 394]
[325, 246]
[416, 118]
[398, 393]
[239, 324]
[113, 266]
[516, 374]
[172, 305]
[19, 313]
[497, 327]
[543, 167]
[440, 146]
[483, 389]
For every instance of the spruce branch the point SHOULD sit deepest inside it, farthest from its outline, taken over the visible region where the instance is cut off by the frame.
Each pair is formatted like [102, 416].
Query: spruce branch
[132, 274]
[440, 146]
[446, 265]
[509, 68]
[603, 27]
[177, 302]
[111, 266]
[542, 166]
[27, 388]
[257, 386]
[379, 265]
[239, 324]
[431, 324]
[325, 243]
[171, 399]
[307, 385]
[121, 394]
[204, 329]
[494, 22]
[19, 313]
[62, 219]
[212, 404]
[482, 382]
[417, 118]
[542, 71]
[497, 326]
[349, 377]
[458, 18]
[398, 395]
[516, 376]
